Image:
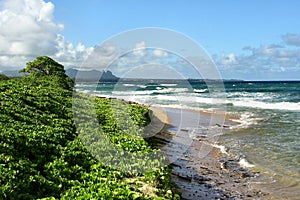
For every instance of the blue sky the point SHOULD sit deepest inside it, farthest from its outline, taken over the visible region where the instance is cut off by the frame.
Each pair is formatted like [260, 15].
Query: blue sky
[219, 26]
[252, 40]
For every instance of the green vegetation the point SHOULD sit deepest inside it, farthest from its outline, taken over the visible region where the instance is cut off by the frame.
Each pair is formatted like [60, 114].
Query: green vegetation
[45, 66]
[42, 154]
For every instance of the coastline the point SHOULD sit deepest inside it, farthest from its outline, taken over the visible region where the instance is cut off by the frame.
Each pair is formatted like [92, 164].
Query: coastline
[201, 169]
[263, 137]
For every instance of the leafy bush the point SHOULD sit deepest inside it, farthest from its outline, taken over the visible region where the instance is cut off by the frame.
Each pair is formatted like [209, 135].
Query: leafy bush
[42, 155]
[46, 66]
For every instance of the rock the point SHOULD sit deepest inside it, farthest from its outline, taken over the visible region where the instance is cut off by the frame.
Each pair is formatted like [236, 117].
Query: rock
[247, 174]
[197, 177]
[223, 126]
[185, 130]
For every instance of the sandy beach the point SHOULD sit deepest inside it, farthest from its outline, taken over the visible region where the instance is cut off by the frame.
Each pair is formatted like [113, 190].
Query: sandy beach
[200, 168]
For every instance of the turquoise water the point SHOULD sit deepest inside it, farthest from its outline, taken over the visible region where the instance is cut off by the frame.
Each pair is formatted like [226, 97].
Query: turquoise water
[268, 133]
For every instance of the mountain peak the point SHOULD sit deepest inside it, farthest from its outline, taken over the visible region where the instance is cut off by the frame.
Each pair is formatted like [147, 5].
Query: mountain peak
[91, 75]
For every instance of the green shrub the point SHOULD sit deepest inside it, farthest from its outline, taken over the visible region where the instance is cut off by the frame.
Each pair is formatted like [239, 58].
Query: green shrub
[42, 155]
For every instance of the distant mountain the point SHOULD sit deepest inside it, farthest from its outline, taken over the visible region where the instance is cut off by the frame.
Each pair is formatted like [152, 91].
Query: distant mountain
[91, 75]
[13, 73]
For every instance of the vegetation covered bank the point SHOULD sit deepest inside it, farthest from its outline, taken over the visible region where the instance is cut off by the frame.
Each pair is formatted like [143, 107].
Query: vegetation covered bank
[42, 156]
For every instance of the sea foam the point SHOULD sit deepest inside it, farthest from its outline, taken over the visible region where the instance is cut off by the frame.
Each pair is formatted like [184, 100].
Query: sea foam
[244, 163]
[291, 106]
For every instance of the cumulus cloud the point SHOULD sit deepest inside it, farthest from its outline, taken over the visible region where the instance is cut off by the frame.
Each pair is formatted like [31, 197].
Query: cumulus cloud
[122, 60]
[68, 54]
[28, 29]
[270, 59]
[112, 56]
[267, 61]
[101, 56]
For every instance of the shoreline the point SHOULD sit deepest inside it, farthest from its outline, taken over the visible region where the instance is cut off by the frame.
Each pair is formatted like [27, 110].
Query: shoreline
[263, 136]
[212, 175]
[216, 175]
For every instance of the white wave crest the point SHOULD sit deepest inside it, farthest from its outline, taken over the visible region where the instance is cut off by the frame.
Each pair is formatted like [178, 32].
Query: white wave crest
[128, 85]
[291, 106]
[200, 90]
[245, 120]
[168, 85]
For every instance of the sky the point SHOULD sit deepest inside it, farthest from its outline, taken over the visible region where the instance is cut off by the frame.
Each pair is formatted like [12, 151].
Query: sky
[250, 40]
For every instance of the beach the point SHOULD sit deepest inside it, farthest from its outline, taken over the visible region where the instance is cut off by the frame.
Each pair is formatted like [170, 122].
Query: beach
[200, 169]
[248, 140]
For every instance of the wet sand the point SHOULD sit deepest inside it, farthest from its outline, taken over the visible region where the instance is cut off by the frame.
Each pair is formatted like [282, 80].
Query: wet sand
[200, 168]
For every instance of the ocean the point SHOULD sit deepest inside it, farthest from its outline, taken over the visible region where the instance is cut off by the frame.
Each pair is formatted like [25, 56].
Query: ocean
[266, 136]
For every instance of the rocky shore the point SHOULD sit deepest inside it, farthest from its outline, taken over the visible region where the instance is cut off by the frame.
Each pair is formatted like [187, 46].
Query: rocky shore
[200, 169]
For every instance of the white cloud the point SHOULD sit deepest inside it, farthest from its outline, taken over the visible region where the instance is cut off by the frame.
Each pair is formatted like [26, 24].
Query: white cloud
[69, 55]
[28, 30]
[139, 49]
[160, 53]
[101, 56]
[269, 59]
[228, 59]
[110, 56]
